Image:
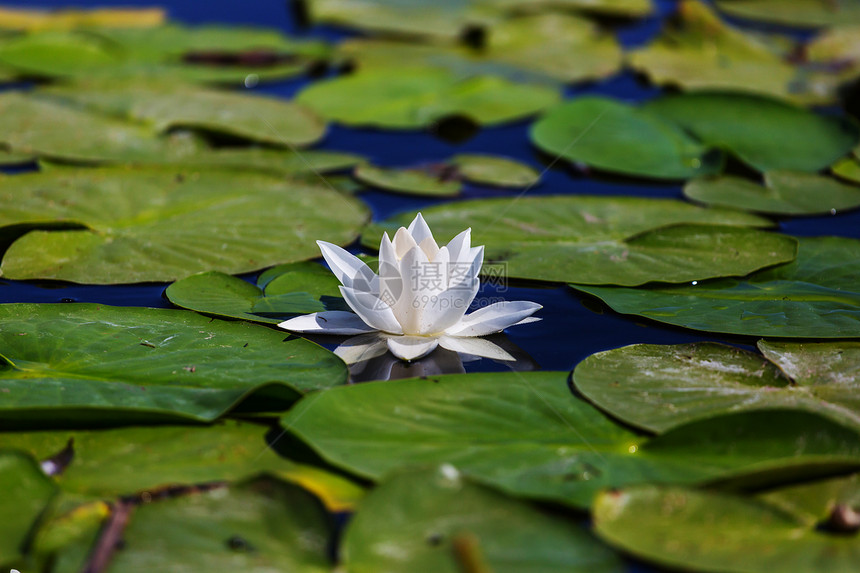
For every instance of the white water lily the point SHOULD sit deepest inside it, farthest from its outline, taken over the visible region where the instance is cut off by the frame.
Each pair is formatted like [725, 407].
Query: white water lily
[417, 302]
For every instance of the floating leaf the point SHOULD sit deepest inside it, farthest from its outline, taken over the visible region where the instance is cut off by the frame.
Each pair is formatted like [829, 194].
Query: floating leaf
[814, 297]
[803, 13]
[140, 225]
[398, 99]
[411, 181]
[605, 240]
[712, 531]
[439, 521]
[766, 134]
[95, 363]
[784, 193]
[26, 493]
[264, 120]
[494, 171]
[659, 387]
[255, 527]
[610, 135]
[18, 19]
[525, 433]
[293, 289]
[56, 53]
[848, 168]
[129, 461]
[699, 51]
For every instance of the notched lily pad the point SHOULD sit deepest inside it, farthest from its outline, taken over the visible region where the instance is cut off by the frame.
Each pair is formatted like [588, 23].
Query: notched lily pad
[712, 531]
[783, 193]
[138, 225]
[612, 136]
[566, 453]
[285, 290]
[413, 99]
[816, 296]
[659, 387]
[439, 520]
[603, 240]
[95, 363]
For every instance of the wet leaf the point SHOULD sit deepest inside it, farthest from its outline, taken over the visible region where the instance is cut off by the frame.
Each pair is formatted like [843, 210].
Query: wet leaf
[814, 297]
[764, 133]
[27, 492]
[609, 135]
[409, 181]
[802, 13]
[398, 99]
[699, 51]
[440, 521]
[153, 459]
[659, 387]
[95, 363]
[526, 434]
[260, 119]
[297, 288]
[604, 240]
[255, 527]
[495, 171]
[712, 531]
[783, 193]
[135, 225]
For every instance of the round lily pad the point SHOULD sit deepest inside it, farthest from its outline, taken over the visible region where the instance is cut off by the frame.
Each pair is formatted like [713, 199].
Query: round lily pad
[93, 363]
[766, 134]
[494, 171]
[410, 181]
[441, 521]
[658, 387]
[296, 288]
[610, 135]
[604, 240]
[526, 434]
[784, 530]
[783, 193]
[399, 99]
[135, 225]
[816, 296]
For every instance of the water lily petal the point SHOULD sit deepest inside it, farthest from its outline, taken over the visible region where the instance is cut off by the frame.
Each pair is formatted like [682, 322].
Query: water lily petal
[329, 322]
[361, 348]
[415, 271]
[429, 247]
[372, 310]
[349, 269]
[387, 255]
[459, 246]
[464, 274]
[447, 308]
[411, 347]
[493, 318]
[475, 347]
[528, 320]
[403, 242]
[420, 231]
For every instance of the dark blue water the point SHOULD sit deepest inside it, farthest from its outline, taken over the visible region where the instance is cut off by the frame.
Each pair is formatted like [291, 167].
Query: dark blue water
[572, 328]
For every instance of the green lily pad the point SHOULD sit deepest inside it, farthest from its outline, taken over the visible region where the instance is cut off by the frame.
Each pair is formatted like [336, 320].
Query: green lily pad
[135, 225]
[766, 134]
[848, 168]
[494, 171]
[699, 51]
[440, 521]
[605, 240]
[171, 106]
[525, 433]
[712, 531]
[399, 99]
[107, 463]
[816, 296]
[659, 387]
[803, 13]
[612, 136]
[9, 158]
[410, 181]
[783, 193]
[27, 19]
[552, 48]
[256, 527]
[27, 492]
[297, 288]
[95, 363]
[56, 53]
